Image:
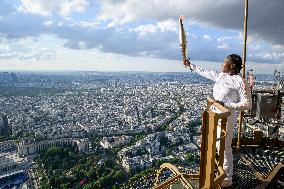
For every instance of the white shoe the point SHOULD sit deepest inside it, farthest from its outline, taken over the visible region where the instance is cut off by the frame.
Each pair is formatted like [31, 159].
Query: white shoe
[227, 183]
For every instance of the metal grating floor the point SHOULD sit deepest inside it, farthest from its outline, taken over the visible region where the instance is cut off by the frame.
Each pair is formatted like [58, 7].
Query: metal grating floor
[263, 160]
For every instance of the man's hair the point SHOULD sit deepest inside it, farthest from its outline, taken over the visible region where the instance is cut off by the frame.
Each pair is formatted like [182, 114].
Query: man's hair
[236, 60]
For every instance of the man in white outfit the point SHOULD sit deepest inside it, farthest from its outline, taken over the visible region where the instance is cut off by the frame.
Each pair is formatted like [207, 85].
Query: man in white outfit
[231, 91]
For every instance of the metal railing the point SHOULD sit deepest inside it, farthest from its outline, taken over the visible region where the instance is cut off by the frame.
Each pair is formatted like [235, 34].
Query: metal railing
[211, 173]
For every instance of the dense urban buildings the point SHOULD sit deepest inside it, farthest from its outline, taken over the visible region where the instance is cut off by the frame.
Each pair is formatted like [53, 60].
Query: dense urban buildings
[5, 129]
[133, 120]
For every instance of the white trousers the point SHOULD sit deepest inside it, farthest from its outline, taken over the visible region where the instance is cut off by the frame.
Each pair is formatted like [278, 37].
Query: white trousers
[228, 154]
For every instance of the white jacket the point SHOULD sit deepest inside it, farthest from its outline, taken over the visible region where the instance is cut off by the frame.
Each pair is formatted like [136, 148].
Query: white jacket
[228, 89]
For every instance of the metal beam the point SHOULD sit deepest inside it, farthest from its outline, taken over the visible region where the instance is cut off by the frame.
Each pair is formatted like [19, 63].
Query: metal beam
[244, 72]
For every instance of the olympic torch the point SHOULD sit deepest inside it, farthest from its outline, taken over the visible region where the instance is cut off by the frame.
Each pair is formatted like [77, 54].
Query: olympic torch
[183, 43]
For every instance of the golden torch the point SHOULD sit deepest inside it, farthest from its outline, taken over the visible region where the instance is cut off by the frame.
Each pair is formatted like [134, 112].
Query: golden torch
[183, 43]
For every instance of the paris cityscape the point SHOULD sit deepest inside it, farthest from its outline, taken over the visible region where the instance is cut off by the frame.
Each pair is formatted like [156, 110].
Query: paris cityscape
[98, 129]
[105, 94]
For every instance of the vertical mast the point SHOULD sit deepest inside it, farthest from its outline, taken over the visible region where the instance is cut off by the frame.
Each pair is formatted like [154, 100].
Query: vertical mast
[244, 72]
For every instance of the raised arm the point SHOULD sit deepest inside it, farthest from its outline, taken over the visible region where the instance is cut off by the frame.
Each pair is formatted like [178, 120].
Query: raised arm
[205, 73]
[245, 98]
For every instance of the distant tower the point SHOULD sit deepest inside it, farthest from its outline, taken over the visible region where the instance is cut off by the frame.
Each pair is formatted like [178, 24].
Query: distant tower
[5, 129]
[137, 114]
[115, 83]
[152, 112]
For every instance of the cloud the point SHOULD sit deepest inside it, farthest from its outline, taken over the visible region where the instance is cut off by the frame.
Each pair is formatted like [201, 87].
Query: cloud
[48, 23]
[261, 53]
[265, 18]
[223, 46]
[50, 7]
[168, 25]
[21, 25]
[142, 28]
[164, 26]
[24, 49]
[68, 7]
[206, 37]
[229, 38]
[84, 24]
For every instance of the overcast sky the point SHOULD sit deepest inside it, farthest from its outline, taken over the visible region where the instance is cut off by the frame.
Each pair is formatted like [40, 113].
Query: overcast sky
[135, 35]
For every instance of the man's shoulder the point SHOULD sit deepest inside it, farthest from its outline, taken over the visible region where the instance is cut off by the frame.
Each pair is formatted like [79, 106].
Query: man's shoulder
[238, 80]
[234, 80]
